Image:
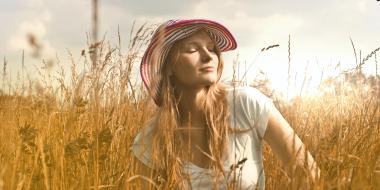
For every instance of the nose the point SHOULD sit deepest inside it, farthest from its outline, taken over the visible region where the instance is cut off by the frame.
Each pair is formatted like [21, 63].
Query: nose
[206, 55]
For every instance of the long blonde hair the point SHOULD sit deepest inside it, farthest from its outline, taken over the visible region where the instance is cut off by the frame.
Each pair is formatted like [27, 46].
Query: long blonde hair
[167, 147]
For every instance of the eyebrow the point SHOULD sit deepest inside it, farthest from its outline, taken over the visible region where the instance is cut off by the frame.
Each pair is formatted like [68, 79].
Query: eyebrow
[195, 43]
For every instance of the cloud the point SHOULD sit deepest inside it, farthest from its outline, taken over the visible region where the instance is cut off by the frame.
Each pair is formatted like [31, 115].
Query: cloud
[64, 23]
[33, 29]
[154, 8]
[35, 3]
[252, 23]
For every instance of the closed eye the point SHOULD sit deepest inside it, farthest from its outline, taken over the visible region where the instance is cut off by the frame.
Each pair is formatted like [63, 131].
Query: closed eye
[211, 50]
[191, 50]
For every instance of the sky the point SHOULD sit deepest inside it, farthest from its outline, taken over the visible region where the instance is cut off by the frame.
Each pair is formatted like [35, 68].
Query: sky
[319, 32]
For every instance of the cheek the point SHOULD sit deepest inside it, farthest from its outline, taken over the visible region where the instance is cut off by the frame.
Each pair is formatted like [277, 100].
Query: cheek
[216, 58]
[183, 72]
[217, 63]
[184, 65]
[220, 66]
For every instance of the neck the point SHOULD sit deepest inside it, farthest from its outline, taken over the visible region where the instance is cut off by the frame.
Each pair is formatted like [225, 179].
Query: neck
[189, 106]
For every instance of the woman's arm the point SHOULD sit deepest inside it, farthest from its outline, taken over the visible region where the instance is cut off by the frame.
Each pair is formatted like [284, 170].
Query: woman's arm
[288, 146]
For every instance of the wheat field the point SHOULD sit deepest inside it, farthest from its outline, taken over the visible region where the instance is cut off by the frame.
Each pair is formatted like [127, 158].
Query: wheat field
[73, 128]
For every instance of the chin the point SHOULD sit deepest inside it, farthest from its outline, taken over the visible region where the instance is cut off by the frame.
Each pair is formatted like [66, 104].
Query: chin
[211, 82]
[210, 79]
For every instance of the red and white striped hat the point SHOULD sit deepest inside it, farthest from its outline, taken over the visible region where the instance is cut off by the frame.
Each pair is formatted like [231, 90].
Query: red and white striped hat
[165, 36]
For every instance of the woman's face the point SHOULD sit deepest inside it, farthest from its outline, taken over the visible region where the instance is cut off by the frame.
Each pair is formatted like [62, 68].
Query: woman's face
[194, 61]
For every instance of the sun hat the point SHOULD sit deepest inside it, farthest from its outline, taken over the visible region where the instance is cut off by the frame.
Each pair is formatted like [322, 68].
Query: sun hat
[165, 36]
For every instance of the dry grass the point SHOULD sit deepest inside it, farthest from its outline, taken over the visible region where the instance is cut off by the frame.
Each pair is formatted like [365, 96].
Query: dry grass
[75, 133]
[342, 130]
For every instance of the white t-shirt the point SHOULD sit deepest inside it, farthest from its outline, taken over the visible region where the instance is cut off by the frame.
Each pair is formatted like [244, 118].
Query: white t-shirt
[249, 109]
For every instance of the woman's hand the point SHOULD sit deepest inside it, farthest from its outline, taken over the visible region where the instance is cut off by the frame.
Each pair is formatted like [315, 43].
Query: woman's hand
[288, 146]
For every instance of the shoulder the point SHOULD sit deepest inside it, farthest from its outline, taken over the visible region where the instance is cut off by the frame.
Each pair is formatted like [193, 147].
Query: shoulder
[142, 145]
[144, 134]
[248, 105]
[245, 94]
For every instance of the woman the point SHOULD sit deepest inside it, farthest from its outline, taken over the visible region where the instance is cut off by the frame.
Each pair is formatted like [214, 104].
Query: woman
[205, 134]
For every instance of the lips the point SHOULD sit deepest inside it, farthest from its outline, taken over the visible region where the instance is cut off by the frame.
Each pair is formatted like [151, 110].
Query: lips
[207, 69]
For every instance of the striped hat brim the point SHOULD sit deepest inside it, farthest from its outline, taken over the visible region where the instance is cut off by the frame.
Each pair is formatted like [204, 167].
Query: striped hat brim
[165, 36]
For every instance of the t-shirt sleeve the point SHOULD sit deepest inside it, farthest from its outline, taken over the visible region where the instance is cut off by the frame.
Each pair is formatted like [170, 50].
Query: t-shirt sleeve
[258, 108]
[142, 146]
